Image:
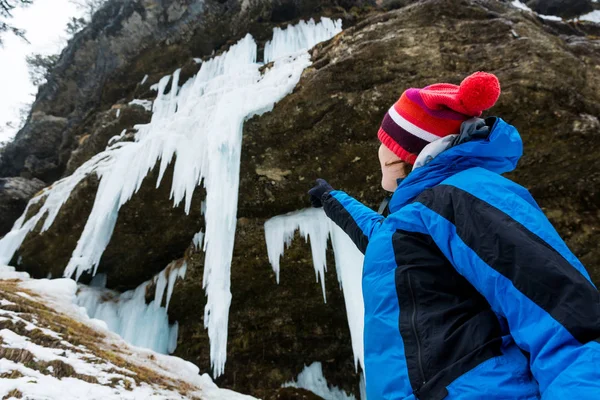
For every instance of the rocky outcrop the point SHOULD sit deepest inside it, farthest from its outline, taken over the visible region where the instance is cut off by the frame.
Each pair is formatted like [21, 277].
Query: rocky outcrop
[109, 58]
[149, 235]
[327, 128]
[96, 134]
[562, 8]
[14, 195]
[107, 62]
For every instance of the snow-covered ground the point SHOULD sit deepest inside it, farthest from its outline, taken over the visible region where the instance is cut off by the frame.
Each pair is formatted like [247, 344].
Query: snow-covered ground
[50, 349]
[593, 16]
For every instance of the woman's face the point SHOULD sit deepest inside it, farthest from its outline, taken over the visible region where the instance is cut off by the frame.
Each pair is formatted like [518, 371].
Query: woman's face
[392, 168]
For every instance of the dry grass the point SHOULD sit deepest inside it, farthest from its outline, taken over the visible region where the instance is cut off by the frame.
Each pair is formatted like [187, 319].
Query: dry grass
[15, 393]
[76, 334]
[11, 375]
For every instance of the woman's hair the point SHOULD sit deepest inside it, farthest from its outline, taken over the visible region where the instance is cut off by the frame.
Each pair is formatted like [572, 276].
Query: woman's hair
[407, 168]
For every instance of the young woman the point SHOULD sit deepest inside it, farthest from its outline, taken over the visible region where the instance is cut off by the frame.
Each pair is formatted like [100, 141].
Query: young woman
[469, 291]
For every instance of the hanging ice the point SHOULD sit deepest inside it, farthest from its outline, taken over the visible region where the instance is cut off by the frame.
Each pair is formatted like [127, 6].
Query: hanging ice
[197, 128]
[302, 36]
[128, 315]
[279, 231]
[53, 198]
[316, 227]
[311, 378]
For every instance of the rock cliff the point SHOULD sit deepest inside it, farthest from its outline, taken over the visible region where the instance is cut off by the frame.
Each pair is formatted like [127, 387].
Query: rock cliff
[325, 128]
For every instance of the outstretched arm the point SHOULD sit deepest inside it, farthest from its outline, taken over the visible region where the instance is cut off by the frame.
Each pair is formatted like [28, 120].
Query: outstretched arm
[356, 219]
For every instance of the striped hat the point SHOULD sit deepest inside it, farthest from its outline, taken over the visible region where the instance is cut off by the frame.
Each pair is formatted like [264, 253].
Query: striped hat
[422, 116]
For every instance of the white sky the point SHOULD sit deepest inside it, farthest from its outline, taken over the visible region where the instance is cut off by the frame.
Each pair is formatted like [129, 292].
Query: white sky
[45, 22]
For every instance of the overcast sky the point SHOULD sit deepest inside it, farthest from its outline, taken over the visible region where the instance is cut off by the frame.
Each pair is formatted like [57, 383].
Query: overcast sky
[45, 22]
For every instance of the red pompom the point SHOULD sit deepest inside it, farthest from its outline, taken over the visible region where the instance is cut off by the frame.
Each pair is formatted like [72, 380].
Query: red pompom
[479, 91]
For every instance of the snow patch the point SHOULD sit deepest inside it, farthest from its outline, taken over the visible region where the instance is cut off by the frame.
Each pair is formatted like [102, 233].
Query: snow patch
[524, 7]
[593, 16]
[521, 6]
[7, 272]
[314, 224]
[113, 382]
[311, 378]
[147, 104]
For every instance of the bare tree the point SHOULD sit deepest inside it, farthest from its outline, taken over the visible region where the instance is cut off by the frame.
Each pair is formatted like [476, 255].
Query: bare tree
[6, 8]
[89, 7]
[40, 66]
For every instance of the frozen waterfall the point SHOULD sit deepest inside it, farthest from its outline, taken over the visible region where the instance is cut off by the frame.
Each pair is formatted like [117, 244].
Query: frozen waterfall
[314, 225]
[197, 128]
[128, 315]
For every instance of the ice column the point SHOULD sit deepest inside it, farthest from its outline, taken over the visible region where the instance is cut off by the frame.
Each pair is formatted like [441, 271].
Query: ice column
[311, 378]
[128, 315]
[197, 128]
[314, 224]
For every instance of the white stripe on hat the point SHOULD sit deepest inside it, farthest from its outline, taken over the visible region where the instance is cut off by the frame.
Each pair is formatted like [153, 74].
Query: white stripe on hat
[410, 127]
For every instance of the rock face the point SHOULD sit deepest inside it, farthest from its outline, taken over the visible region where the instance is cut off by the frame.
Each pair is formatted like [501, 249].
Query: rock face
[562, 8]
[108, 59]
[149, 235]
[104, 64]
[14, 195]
[327, 128]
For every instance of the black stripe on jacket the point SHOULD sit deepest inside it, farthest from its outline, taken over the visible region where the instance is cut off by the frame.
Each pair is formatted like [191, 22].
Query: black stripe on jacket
[534, 267]
[338, 214]
[447, 327]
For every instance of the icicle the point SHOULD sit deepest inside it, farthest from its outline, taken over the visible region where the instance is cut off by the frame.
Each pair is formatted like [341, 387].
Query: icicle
[311, 378]
[363, 387]
[54, 197]
[312, 222]
[197, 240]
[128, 315]
[173, 275]
[196, 128]
[304, 35]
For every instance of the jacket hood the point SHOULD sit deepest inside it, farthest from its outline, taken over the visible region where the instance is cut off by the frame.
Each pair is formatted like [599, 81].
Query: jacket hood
[499, 152]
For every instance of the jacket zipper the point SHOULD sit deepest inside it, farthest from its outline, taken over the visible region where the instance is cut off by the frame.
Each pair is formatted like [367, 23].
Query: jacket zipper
[414, 328]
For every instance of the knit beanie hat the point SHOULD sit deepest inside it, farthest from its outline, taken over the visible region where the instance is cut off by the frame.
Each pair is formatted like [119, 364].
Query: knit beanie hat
[422, 116]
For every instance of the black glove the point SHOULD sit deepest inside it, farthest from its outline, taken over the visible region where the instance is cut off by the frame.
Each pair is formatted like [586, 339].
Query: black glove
[317, 192]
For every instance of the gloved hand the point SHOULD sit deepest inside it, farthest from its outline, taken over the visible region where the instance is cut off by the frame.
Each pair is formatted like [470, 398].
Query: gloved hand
[317, 192]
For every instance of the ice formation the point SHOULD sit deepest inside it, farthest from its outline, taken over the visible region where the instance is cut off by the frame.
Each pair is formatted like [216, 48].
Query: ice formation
[314, 225]
[198, 129]
[128, 315]
[53, 199]
[300, 37]
[116, 378]
[311, 378]
[147, 104]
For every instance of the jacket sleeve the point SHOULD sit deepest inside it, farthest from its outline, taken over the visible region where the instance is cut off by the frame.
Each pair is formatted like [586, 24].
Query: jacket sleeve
[356, 219]
[513, 256]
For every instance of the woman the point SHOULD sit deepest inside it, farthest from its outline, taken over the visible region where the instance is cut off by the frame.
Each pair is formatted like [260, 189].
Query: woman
[469, 291]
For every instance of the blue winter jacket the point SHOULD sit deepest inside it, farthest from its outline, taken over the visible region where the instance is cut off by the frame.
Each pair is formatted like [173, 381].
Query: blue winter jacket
[469, 291]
